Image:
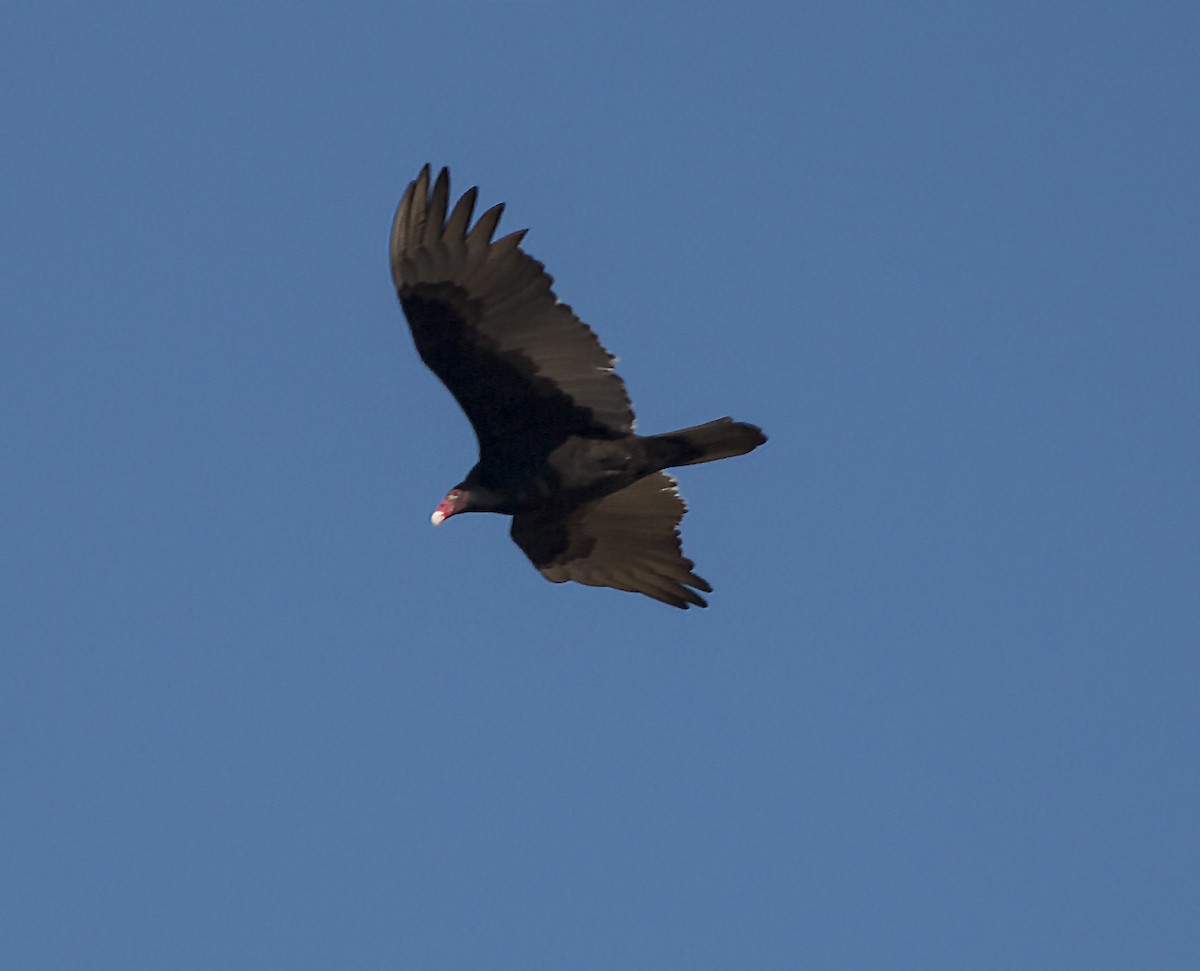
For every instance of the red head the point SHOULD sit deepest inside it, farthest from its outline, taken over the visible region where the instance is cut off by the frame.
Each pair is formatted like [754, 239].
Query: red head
[455, 502]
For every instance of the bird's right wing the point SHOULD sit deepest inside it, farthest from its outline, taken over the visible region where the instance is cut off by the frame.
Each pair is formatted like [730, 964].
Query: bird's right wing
[524, 368]
[628, 540]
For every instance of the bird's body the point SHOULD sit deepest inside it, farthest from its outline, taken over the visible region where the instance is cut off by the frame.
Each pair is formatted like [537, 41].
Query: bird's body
[557, 448]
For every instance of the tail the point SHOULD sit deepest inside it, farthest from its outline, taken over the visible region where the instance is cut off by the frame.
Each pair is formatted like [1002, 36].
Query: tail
[720, 439]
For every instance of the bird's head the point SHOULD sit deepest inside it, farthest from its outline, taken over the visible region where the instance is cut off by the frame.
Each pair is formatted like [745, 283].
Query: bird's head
[457, 500]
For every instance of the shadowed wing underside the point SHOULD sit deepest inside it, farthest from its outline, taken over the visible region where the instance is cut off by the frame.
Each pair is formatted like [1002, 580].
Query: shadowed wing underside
[526, 371]
[628, 540]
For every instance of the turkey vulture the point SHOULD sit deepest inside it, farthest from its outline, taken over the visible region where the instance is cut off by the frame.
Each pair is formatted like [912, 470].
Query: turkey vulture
[589, 499]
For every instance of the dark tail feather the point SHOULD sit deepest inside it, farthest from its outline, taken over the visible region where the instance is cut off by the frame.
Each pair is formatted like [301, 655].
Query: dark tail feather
[720, 439]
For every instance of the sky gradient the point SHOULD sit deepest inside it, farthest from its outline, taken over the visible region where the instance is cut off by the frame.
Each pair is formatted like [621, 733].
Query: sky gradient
[942, 711]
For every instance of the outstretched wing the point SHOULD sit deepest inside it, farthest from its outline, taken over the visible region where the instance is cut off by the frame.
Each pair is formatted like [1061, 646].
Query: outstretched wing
[524, 368]
[628, 540]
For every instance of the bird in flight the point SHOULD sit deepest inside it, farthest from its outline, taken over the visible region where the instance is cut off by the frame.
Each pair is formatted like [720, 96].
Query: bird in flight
[588, 497]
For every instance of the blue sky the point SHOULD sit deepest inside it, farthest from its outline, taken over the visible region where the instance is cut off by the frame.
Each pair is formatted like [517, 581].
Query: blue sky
[942, 713]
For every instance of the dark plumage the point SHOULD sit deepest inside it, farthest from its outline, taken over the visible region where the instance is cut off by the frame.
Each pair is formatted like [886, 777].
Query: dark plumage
[557, 450]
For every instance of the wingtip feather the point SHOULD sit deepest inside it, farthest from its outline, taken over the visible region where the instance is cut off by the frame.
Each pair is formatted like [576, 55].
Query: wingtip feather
[435, 214]
[481, 235]
[460, 218]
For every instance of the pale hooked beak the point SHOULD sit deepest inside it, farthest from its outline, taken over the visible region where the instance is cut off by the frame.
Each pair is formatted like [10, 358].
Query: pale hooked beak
[445, 509]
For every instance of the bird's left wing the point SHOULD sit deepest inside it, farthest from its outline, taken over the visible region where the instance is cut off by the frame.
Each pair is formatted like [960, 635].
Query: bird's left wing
[524, 368]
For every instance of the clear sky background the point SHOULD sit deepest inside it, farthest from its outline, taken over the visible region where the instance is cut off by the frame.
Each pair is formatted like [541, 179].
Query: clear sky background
[255, 712]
